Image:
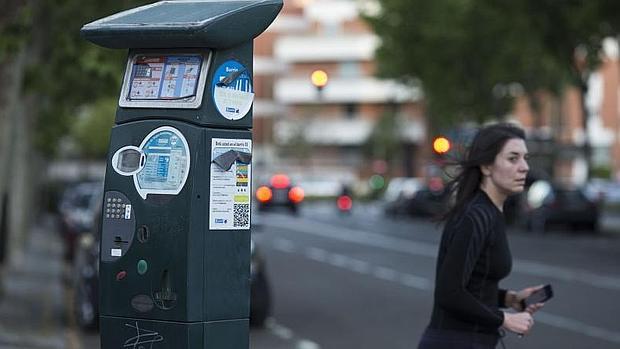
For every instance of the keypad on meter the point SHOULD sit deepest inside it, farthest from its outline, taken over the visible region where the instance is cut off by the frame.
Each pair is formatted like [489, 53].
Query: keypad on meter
[115, 208]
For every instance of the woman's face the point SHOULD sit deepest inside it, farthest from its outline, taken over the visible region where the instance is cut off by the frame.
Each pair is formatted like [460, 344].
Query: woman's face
[507, 174]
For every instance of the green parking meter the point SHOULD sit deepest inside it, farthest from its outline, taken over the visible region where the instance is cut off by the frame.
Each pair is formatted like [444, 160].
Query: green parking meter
[175, 234]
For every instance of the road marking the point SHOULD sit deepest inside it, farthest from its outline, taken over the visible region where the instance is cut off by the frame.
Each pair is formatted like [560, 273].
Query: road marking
[424, 249]
[425, 284]
[317, 254]
[386, 274]
[338, 260]
[354, 265]
[577, 326]
[564, 274]
[284, 245]
[305, 344]
[418, 282]
[287, 334]
[279, 330]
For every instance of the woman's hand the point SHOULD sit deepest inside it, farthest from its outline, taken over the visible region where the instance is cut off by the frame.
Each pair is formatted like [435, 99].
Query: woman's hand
[513, 299]
[520, 323]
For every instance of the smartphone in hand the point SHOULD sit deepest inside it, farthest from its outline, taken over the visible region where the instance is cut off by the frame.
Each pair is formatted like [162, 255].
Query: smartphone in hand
[540, 296]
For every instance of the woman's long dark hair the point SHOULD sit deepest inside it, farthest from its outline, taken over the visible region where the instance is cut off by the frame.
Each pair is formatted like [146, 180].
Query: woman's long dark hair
[485, 146]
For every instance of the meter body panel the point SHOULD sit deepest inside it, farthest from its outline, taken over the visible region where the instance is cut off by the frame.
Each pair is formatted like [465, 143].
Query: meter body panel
[192, 273]
[137, 333]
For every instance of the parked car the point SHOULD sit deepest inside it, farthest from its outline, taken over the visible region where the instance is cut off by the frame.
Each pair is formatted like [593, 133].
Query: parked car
[415, 197]
[77, 207]
[603, 191]
[279, 193]
[260, 291]
[552, 203]
[398, 193]
[86, 282]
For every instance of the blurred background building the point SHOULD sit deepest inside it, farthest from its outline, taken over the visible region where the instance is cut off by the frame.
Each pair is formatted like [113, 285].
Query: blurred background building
[305, 131]
[558, 133]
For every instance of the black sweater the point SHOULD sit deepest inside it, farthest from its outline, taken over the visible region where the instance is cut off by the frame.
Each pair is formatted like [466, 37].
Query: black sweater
[473, 257]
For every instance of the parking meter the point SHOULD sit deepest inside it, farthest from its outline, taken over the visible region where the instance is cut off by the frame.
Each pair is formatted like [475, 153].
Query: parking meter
[175, 235]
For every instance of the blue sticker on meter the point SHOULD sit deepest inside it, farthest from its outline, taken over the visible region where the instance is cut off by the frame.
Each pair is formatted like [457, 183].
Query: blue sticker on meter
[166, 165]
[232, 90]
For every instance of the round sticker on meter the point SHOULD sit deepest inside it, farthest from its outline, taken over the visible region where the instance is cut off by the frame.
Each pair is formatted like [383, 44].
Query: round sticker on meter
[166, 164]
[232, 90]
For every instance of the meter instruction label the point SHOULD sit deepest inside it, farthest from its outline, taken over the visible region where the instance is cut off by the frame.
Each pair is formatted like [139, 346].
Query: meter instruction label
[166, 165]
[165, 77]
[230, 190]
[232, 90]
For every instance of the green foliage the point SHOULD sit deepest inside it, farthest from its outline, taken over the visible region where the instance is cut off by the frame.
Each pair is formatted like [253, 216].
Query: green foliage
[601, 171]
[93, 126]
[462, 49]
[14, 30]
[384, 142]
[68, 72]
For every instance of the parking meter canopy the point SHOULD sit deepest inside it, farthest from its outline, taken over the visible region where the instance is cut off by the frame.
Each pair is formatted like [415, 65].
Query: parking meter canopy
[184, 24]
[189, 60]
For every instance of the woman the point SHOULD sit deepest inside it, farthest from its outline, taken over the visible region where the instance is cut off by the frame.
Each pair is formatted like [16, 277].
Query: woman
[474, 254]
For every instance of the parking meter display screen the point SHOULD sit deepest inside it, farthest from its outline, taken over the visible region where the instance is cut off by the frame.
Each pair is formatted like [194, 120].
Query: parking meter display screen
[164, 77]
[167, 163]
[129, 161]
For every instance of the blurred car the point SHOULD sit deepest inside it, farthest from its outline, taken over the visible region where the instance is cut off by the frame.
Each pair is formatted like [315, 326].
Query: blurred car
[279, 193]
[415, 197]
[398, 192]
[603, 191]
[260, 292]
[77, 207]
[552, 203]
[86, 282]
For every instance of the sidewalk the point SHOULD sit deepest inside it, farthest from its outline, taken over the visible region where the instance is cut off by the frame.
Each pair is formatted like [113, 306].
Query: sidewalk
[32, 314]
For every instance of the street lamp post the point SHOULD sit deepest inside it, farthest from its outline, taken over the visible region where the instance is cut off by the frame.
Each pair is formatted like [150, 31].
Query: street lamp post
[319, 79]
[581, 65]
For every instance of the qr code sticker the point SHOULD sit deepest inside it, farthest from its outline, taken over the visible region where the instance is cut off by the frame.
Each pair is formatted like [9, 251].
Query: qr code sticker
[242, 215]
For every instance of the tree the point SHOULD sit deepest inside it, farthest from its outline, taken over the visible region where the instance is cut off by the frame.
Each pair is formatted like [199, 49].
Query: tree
[462, 50]
[48, 73]
[385, 142]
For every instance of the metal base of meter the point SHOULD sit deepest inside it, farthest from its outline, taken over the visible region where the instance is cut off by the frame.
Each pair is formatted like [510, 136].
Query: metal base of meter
[118, 332]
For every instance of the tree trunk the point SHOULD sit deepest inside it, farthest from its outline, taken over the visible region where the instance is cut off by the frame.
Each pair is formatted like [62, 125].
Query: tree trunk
[18, 161]
[13, 74]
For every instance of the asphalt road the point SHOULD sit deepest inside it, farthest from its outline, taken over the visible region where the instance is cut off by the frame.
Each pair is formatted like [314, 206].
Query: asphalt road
[365, 281]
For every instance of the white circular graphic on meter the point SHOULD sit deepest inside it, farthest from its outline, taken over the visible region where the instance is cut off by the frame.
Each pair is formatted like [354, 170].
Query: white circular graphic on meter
[128, 160]
[166, 163]
[232, 90]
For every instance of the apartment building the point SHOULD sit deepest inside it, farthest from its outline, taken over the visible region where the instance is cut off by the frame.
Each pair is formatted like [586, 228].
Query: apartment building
[302, 130]
[559, 126]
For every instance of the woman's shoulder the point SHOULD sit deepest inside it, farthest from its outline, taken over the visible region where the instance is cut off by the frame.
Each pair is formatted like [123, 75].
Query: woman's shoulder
[479, 212]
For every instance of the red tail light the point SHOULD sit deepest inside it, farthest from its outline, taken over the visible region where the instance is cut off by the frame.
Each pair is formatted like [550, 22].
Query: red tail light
[296, 195]
[344, 203]
[280, 181]
[264, 194]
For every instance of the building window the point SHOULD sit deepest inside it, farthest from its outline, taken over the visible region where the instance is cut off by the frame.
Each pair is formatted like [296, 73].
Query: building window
[350, 69]
[350, 110]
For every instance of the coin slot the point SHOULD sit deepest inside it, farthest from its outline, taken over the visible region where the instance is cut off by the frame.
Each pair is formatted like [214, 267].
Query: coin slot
[143, 234]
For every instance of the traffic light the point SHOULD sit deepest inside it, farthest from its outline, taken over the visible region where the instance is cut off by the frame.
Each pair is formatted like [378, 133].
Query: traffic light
[319, 79]
[441, 145]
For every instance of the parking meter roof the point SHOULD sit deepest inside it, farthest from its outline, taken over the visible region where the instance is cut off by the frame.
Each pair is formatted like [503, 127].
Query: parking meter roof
[184, 23]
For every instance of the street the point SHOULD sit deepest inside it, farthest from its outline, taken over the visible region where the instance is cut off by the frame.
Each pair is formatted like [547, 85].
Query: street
[355, 281]
[365, 281]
